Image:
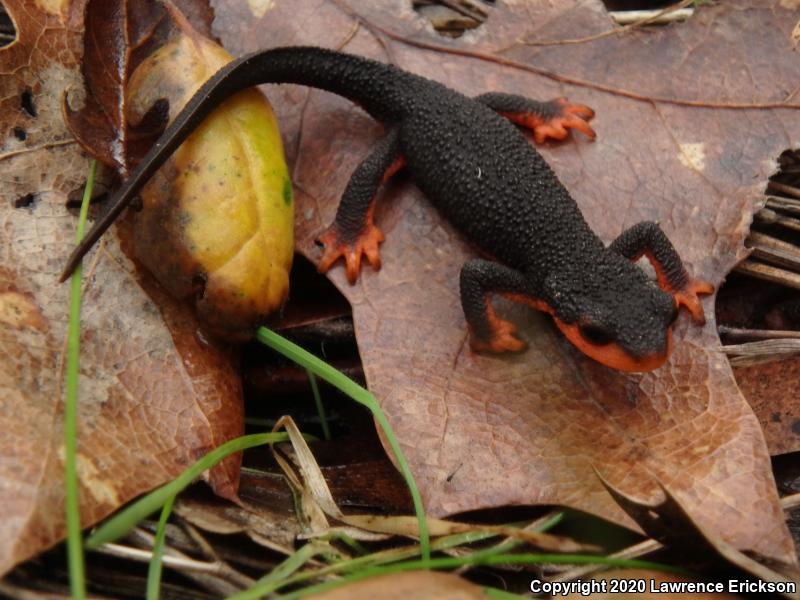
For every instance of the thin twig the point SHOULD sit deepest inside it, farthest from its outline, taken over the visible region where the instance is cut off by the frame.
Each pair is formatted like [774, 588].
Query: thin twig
[28, 149]
[790, 502]
[785, 204]
[175, 562]
[640, 549]
[768, 273]
[565, 79]
[757, 334]
[767, 216]
[677, 12]
[753, 353]
[466, 8]
[784, 188]
[774, 250]
[642, 21]
[219, 577]
[207, 549]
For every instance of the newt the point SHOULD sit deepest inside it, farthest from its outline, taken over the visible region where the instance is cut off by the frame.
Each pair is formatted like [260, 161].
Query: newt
[470, 159]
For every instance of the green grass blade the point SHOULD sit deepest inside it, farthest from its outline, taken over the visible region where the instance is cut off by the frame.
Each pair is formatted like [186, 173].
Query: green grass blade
[154, 570]
[126, 519]
[77, 569]
[496, 594]
[478, 559]
[326, 432]
[339, 380]
[279, 574]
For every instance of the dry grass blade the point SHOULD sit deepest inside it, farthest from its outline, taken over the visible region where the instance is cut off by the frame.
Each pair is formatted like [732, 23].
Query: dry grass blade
[769, 273]
[774, 250]
[218, 568]
[641, 549]
[757, 334]
[628, 20]
[652, 17]
[762, 351]
[767, 216]
[203, 573]
[783, 188]
[407, 526]
[790, 502]
[316, 500]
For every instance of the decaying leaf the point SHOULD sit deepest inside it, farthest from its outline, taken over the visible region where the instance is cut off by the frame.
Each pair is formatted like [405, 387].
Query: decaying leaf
[316, 503]
[689, 117]
[153, 396]
[668, 520]
[772, 390]
[265, 525]
[217, 218]
[121, 34]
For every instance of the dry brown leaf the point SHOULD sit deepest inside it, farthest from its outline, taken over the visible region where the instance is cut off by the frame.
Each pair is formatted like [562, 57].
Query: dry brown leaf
[268, 526]
[772, 390]
[154, 397]
[669, 521]
[409, 526]
[420, 585]
[486, 431]
[120, 35]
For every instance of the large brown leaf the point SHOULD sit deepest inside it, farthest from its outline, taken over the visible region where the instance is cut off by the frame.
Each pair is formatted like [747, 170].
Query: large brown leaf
[153, 397]
[486, 431]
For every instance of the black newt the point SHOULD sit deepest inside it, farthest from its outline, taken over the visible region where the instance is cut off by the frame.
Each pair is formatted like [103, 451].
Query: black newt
[483, 175]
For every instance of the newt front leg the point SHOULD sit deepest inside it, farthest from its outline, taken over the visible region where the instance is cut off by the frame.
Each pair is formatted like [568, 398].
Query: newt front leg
[647, 239]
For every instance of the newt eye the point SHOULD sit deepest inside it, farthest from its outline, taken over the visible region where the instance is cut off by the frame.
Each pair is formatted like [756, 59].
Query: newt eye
[596, 334]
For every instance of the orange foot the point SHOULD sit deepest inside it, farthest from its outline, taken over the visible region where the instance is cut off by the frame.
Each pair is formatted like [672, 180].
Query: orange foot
[502, 338]
[554, 123]
[365, 245]
[688, 297]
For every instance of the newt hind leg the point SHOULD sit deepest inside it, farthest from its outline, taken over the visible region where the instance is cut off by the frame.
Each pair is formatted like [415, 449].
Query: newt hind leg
[488, 332]
[546, 120]
[353, 234]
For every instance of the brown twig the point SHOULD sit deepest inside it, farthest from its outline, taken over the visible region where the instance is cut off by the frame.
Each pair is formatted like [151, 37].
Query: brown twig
[635, 551]
[767, 216]
[29, 149]
[790, 502]
[784, 188]
[599, 36]
[565, 79]
[752, 353]
[774, 250]
[757, 334]
[768, 273]
[670, 14]
[465, 8]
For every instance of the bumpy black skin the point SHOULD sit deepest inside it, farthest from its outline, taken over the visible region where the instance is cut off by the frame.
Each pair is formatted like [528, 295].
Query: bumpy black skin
[482, 174]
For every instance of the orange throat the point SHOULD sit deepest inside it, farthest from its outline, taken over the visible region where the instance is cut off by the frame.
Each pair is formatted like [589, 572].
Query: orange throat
[612, 355]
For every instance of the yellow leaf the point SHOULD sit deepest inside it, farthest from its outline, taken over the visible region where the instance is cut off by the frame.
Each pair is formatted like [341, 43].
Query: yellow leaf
[217, 219]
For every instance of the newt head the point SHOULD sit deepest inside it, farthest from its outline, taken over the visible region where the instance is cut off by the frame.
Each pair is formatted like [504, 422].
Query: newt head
[613, 313]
